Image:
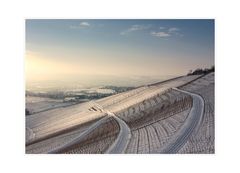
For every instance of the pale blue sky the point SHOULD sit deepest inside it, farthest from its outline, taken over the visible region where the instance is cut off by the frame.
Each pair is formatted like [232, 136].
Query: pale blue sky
[118, 47]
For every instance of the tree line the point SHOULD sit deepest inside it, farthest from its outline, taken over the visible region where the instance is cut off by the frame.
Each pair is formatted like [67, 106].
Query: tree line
[200, 71]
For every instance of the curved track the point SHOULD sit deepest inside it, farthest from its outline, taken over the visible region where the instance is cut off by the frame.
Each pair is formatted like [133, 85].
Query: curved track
[120, 144]
[81, 137]
[191, 124]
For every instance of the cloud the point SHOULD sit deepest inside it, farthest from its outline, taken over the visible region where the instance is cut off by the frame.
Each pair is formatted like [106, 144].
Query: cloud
[160, 34]
[166, 32]
[173, 29]
[134, 28]
[82, 25]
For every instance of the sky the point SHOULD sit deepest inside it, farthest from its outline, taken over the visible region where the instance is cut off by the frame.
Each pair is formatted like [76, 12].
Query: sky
[64, 48]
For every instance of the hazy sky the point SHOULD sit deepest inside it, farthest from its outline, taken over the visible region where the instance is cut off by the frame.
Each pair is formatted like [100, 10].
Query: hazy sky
[58, 48]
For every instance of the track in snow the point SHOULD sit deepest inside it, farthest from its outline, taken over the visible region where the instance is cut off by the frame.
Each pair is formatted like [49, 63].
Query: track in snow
[192, 123]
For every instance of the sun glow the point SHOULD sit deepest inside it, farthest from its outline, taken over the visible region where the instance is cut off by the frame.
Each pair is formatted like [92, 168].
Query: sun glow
[43, 68]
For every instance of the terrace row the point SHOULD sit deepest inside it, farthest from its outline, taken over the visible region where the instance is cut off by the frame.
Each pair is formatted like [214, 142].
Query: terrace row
[97, 141]
[155, 108]
[152, 137]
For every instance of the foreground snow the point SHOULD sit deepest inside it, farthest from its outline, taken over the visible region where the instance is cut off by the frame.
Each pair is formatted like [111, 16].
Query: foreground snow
[153, 113]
